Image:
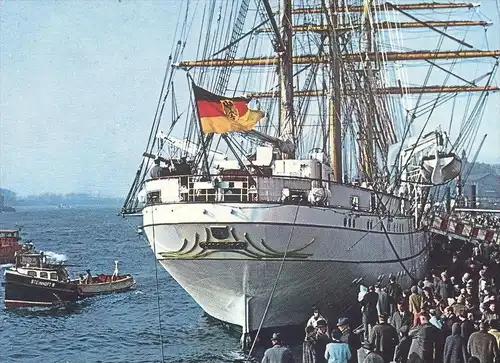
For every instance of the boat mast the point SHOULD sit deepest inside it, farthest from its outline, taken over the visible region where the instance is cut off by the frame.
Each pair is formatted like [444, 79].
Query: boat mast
[334, 97]
[287, 115]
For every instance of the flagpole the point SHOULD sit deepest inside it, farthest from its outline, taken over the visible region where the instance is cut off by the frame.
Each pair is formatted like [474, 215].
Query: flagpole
[202, 136]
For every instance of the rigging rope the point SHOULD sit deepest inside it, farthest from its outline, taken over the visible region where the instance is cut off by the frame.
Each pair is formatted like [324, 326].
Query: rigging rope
[157, 287]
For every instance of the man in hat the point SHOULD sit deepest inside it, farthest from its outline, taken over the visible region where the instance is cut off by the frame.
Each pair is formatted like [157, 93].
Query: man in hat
[348, 337]
[402, 317]
[322, 339]
[384, 338]
[278, 353]
[426, 340]
[313, 320]
[309, 346]
[367, 355]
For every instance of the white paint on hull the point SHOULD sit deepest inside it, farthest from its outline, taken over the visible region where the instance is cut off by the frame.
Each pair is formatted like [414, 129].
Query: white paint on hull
[335, 247]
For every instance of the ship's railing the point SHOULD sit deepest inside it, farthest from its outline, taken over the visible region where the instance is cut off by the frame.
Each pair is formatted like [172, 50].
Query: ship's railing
[227, 188]
[464, 228]
[262, 188]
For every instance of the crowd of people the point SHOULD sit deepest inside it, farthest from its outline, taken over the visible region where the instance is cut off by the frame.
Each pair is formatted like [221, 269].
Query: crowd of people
[451, 316]
[489, 220]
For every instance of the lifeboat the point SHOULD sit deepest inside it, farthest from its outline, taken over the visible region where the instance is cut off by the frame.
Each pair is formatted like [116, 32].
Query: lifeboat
[440, 167]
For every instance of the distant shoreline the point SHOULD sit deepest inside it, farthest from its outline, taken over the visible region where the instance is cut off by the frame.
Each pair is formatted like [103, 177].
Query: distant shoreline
[25, 207]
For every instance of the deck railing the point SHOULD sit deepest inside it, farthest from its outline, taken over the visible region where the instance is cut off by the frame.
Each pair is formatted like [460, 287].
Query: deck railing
[227, 188]
[262, 188]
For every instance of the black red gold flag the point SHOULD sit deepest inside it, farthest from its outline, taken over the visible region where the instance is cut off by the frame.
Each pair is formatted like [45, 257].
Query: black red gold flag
[221, 115]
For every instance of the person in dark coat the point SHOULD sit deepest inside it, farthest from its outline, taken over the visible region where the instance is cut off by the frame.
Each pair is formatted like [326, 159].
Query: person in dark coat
[425, 339]
[403, 348]
[384, 338]
[402, 317]
[278, 353]
[444, 287]
[448, 319]
[367, 355]
[322, 339]
[483, 345]
[383, 303]
[455, 347]
[395, 292]
[466, 326]
[309, 345]
[348, 337]
[369, 304]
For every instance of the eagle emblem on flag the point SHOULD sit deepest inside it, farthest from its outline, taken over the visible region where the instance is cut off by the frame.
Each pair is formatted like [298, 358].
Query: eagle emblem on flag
[230, 109]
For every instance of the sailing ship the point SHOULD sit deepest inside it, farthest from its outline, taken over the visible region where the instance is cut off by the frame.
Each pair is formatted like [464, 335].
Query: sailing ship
[305, 165]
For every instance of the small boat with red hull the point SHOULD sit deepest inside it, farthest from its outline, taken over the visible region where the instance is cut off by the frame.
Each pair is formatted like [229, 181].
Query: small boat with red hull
[33, 281]
[104, 284]
[9, 245]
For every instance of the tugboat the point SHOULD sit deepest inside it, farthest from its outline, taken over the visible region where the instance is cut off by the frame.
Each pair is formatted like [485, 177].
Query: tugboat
[34, 281]
[9, 245]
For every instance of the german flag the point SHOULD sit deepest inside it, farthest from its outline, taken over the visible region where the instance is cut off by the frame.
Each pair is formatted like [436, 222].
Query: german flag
[221, 115]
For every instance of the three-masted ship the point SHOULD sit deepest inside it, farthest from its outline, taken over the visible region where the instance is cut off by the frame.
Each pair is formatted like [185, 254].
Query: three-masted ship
[291, 171]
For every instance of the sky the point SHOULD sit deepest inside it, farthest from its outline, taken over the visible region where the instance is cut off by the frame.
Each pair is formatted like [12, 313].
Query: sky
[79, 83]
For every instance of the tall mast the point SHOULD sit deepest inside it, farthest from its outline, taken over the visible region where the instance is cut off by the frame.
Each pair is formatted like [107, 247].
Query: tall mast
[287, 119]
[334, 97]
[368, 145]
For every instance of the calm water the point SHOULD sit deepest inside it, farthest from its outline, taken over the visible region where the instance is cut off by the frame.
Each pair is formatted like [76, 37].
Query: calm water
[114, 328]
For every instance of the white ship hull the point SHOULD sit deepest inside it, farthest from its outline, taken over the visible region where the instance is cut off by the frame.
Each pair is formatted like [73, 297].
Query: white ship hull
[227, 256]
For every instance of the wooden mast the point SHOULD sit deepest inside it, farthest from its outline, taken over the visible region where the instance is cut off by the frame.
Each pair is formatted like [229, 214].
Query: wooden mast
[287, 119]
[387, 25]
[335, 94]
[390, 91]
[383, 7]
[353, 57]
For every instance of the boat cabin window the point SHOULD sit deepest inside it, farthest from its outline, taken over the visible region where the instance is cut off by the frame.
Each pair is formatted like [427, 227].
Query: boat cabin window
[32, 273]
[44, 275]
[53, 276]
[8, 234]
